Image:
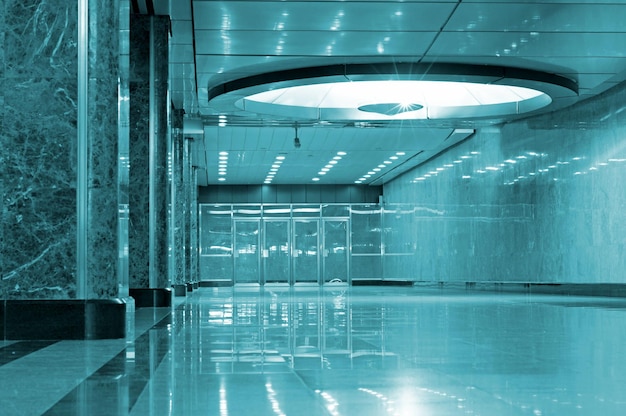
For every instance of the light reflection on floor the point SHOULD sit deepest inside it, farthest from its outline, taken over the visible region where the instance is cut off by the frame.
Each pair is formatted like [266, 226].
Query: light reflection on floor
[392, 351]
[370, 351]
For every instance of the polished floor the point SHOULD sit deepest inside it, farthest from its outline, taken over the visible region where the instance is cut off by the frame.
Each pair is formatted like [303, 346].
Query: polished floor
[335, 351]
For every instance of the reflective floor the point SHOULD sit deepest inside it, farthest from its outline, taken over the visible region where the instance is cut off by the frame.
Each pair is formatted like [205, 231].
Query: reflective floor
[335, 351]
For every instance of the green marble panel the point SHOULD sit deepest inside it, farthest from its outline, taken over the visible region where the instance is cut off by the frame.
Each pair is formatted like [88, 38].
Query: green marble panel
[39, 179]
[41, 38]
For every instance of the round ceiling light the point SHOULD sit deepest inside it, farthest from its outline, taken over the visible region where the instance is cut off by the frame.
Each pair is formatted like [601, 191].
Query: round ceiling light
[394, 92]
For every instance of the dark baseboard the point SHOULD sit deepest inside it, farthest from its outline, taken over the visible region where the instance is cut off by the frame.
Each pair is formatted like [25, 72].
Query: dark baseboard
[30, 319]
[567, 289]
[382, 283]
[215, 283]
[151, 297]
[180, 290]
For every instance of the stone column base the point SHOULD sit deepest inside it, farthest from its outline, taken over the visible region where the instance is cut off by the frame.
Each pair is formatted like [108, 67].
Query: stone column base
[34, 319]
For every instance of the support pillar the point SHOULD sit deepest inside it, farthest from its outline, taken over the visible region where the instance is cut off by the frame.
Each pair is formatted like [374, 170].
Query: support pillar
[149, 280]
[64, 178]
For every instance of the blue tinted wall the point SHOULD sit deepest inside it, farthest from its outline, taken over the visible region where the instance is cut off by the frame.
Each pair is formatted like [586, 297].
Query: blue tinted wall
[538, 200]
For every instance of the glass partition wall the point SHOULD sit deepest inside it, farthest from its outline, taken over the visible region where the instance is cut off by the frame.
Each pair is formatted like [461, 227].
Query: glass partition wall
[299, 244]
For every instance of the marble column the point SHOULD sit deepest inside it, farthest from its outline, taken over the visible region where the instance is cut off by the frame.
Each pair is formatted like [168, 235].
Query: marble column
[38, 149]
[107, 144]
[194, 257]
[148, 176]
[178, 269]
[63, 189]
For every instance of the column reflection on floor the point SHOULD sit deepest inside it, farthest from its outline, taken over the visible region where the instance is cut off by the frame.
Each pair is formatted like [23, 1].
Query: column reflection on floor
[390, 351]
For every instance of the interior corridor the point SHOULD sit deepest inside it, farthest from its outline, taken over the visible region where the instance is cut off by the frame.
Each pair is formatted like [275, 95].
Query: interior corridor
[336, 350]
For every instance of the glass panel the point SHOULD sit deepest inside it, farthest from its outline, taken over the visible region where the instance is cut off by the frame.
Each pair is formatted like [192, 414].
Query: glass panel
[396, 221]
[216, 268]
[333, 210]
[306, 251]
[335, 250]
[276, 251]
[243, 211]
[273, 211]
[366, 229]
[306, 211]
[216, 235]
[247, 251]
[366, 267]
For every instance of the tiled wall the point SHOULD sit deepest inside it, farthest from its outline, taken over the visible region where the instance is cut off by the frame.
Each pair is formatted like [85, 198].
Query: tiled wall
[538, 200]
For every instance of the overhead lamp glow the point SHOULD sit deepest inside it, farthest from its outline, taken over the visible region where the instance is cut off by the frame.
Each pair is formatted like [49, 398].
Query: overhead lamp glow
[395, 99]
[394, 91]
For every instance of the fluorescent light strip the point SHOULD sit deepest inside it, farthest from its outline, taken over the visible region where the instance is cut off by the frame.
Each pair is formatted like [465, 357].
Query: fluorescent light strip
[274, 169]
[222, 165]
[331, 164]
[380, 167]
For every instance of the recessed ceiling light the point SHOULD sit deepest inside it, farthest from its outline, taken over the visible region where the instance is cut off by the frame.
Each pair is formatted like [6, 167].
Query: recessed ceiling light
[315, 179]
[341, 153]
[221, 173]
[337, 157]
[332, 162]
[394, 158]
[223, 153]
[376, 169]
[221, 179]
[395, 91]
[321, 173]
[387, 162]
[382, 166]
[400, 153]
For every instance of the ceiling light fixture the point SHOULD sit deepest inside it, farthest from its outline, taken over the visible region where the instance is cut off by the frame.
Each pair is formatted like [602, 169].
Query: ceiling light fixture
[296, 140]
[395, 91]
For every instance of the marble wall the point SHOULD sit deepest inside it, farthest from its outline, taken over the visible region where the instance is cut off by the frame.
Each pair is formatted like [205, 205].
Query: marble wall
[147, 255]
[38, 149]
[178, 262]
[538, 200]
[38, 72]
[103, 136]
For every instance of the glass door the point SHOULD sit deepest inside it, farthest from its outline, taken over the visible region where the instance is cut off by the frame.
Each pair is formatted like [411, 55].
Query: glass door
[276, 251]
[216, 244]
[335, 260]
[247, 253]
[306, 248]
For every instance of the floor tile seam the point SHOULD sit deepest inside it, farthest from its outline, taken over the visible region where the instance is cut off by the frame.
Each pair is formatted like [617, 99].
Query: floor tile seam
[39, 345]
[314, 395]
[102, 369]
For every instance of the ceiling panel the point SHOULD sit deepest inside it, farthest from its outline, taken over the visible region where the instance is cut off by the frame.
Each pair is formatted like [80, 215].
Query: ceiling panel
[320, 16]
[579, 39]
[523, 44]
[313, 43]
[536, 17]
